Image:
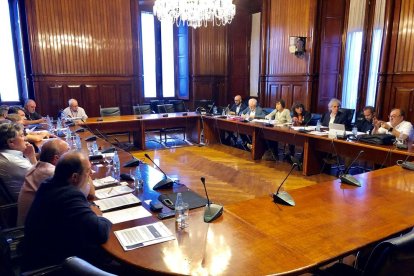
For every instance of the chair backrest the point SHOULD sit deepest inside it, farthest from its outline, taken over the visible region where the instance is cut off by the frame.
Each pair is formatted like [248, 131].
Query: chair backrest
[110, 111]
[165, 108]
[392, 257]
[179, 106]
[315, 117]
[154, 103]
[267, 110]
[142, 109]
[349, 113]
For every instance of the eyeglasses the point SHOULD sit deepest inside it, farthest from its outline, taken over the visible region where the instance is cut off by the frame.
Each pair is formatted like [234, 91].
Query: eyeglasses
[393, 116]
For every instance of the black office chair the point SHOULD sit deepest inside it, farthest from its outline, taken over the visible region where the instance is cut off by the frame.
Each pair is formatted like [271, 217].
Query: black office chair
[142, 109]
[314, 119]
[349, 113]
[11, 250]
[179, 105]
[165, 108]
[71, 266]
[267, 110]
[391, 257]
[115, 111]
[154, 103]
[110, 111]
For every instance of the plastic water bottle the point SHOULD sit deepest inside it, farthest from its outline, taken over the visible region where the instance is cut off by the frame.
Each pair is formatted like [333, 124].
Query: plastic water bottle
[69, 137]
[318, 126]
[181, 212]
[355, 131]
[59, 124]
[116, 166]
[215, 110]
[78, 142]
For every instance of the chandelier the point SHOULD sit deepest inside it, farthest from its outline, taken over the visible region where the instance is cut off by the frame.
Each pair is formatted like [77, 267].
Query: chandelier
[195, 13]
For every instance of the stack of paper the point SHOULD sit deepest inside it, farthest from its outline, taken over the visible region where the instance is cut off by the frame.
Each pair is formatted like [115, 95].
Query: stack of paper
[113, 191]
[127, 214]
[144, 235]
[98, 183]
[116, 202]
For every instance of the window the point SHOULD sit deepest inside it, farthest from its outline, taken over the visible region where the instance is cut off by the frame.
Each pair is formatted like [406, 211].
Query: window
[9, 87]
[165, 69]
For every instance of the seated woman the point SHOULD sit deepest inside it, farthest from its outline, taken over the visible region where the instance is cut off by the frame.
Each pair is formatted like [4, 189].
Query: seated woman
[333, 115]
[281, 114]
[300, 117]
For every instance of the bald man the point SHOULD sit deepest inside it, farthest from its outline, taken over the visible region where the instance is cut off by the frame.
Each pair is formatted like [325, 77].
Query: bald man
[61, 222]
[32, 117]
[238, 106]
[45, 167]
[74, 111]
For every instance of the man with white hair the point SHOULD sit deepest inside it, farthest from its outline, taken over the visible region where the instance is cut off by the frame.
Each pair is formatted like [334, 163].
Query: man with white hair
[253, 111]
[74, 111]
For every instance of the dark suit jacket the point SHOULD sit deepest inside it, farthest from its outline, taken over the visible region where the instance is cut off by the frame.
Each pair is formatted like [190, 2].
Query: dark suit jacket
[307, 116]
[260, 114]
[61, 224]
[363, 125]
[243, 106]
[340, 118]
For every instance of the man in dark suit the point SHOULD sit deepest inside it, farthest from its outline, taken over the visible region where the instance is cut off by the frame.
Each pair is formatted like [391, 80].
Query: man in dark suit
[238, 106]
[61, 222]
[334, 115]
[365, 122]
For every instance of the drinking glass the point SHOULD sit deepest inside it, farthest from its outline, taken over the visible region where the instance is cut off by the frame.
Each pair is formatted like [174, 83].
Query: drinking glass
[89, 146]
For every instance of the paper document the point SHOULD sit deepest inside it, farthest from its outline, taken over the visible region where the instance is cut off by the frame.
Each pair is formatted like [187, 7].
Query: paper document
[116, 201]
[308, 128]
[112, 191]
[319, 133]
[98, 183]
[127, 214]
[144, 235]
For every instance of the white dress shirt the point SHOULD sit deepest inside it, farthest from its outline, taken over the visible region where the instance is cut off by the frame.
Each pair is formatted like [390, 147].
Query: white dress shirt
[78, 114]
[404, 127]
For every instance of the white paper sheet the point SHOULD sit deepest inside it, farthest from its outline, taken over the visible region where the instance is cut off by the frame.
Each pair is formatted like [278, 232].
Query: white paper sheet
[98, 183]
[144, 235]
[112, 191]
[116, 201]
[127, 214]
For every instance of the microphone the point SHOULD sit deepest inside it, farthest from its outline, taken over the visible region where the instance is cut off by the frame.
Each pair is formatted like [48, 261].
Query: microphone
[211, 211]
[284, 197]
[163, 183]
[349, 179]
[304, 130]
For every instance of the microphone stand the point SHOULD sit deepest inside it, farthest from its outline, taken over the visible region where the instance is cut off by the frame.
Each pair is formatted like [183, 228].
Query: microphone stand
[349, 179]
[211, 211]
[164, 183]
[284, 197]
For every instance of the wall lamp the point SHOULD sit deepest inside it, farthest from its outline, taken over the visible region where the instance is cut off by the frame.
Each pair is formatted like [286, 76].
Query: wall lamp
[297, 45]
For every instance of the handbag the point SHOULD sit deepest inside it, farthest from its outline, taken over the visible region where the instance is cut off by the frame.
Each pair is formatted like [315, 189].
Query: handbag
[377, 139]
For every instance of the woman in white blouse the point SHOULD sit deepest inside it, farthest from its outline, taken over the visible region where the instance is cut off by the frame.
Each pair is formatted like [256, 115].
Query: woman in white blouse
[281, 114]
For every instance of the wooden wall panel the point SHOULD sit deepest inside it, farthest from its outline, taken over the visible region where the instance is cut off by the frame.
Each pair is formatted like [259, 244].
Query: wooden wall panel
[80, 37]
[209, 51]
[293, 18]
[404, 98]
[404, 60]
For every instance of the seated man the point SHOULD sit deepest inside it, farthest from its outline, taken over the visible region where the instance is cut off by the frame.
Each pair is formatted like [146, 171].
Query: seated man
[4, 109]
[365, 123]
[74, 111]
[16, 157]
[401, 129]
[253, 111]
[238, 106]
[32, 117]
[45, 168]
[61, 222]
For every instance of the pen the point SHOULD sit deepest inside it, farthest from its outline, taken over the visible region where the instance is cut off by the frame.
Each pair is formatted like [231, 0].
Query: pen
[110, 190]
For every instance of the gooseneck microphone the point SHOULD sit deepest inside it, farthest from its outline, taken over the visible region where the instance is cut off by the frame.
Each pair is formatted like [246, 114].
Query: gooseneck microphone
[211, 211]
[284, 197]
[349, 179]
[164, 183]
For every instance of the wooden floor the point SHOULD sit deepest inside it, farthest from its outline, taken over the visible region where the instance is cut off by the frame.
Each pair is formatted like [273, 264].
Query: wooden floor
[229, 172]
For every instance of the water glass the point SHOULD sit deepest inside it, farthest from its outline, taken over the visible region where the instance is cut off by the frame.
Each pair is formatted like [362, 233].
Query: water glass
[138, 184]
[89, 145]
[108, 159]
[94, 147]
[181, 215]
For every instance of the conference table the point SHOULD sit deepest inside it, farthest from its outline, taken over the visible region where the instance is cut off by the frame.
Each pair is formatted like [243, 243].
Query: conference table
[258, 237]
[138, 125]
[314, 146]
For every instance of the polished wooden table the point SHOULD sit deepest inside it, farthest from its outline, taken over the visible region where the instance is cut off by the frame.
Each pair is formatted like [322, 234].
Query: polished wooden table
[313, 145]
[258, 237]
[139, 124]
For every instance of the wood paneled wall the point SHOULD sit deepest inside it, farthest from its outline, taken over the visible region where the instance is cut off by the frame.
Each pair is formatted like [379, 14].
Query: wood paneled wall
[283, 75]
[82, 49]
[397, 80]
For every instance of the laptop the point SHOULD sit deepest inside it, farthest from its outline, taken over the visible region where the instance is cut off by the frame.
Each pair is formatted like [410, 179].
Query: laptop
[337, 131]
